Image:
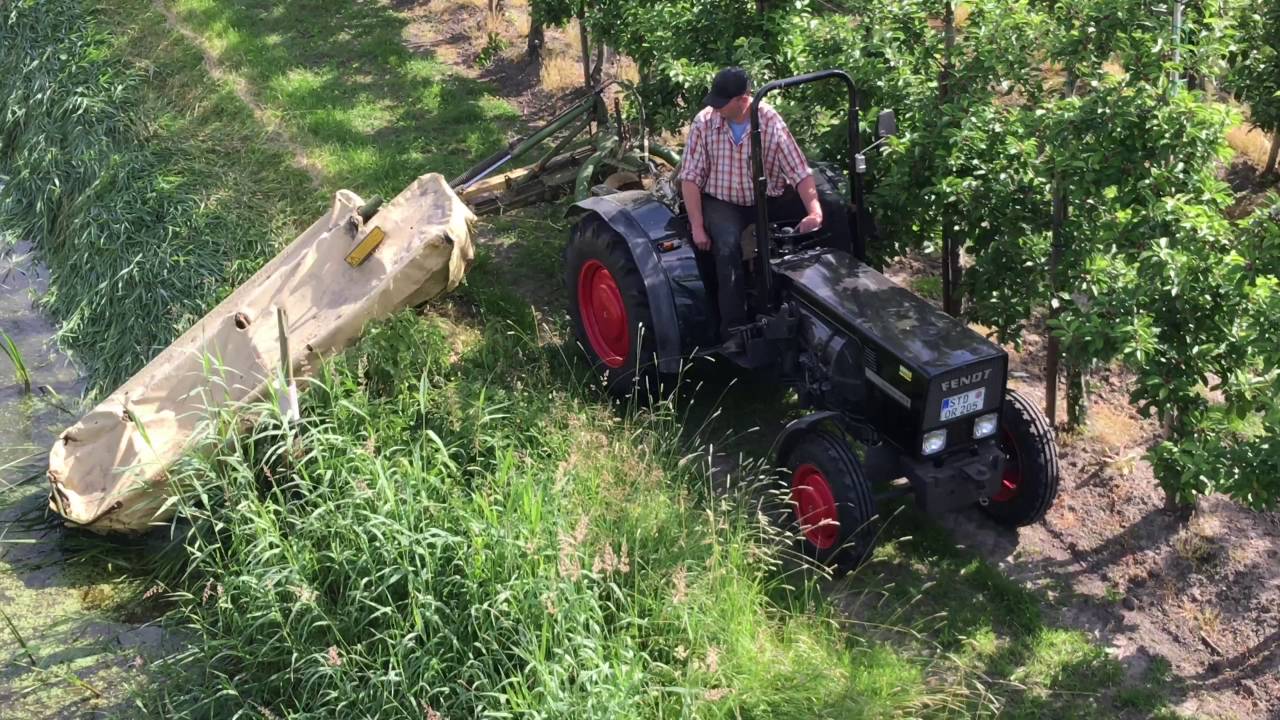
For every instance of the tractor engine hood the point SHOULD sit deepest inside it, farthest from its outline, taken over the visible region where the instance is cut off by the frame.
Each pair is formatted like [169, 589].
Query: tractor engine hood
[917, 359]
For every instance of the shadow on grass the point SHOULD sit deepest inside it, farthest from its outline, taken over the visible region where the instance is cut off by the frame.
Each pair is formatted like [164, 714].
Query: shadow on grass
[370, 112]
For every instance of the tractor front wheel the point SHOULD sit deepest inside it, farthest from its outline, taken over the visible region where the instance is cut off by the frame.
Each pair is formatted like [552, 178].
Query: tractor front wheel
[610, 308]
[1029, 483]
[832, 509]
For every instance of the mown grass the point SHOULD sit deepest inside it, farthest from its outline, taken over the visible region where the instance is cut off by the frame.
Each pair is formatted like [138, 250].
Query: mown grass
[338, 77]
[444, 533]
[145, 187]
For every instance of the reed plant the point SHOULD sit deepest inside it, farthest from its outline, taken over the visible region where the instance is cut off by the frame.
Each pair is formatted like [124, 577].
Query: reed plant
[21, 374]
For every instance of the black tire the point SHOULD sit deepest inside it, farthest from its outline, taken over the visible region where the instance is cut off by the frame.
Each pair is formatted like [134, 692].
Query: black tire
[625, 360]
[847, 544]
[1030, 481]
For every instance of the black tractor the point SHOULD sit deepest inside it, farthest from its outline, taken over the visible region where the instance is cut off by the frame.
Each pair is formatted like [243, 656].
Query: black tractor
[897, 387]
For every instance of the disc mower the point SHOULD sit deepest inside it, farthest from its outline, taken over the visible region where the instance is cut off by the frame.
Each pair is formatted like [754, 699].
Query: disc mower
[896, 388]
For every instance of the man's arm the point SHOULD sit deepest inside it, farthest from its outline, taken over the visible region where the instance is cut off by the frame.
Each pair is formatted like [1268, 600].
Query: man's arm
[808, 190]
[789, 161]
[695, 166]
[693, 205]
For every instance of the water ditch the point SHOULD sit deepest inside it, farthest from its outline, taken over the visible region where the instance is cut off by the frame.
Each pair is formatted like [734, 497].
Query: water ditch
[67, 647]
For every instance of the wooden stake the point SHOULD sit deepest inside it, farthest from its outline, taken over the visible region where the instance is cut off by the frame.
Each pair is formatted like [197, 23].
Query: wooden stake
[289, 389]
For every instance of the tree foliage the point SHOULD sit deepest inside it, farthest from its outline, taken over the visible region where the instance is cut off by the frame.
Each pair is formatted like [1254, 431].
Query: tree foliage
[1255, 70]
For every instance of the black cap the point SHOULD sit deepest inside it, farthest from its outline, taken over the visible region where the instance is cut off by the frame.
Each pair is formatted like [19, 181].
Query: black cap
[729, 84]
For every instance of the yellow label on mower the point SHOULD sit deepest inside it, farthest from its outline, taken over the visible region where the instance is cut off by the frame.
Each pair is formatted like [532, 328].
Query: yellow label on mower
[905, 373]
[365, 247]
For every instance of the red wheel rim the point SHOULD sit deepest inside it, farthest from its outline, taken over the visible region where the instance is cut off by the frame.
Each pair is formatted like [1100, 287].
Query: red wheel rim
[604, 315]
[1011, 479]
[815, 506]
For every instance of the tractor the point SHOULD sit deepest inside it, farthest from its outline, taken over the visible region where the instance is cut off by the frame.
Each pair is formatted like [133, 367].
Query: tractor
[895, 387]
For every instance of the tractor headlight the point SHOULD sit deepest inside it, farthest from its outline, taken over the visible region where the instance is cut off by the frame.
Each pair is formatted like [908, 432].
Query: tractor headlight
[934, 442]
[985, 425]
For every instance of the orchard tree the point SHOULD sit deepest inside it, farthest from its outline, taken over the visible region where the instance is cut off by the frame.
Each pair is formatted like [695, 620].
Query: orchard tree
[1254, 76]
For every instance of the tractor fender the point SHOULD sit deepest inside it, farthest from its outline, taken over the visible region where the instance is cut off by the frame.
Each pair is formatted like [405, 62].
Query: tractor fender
[641, 231]
[880, 461]
[795, 429]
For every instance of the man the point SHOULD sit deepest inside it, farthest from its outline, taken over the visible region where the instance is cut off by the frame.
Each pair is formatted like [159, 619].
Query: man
[715, 180]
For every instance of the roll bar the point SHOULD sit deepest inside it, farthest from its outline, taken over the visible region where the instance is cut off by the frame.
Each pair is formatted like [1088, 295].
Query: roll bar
[763, 244]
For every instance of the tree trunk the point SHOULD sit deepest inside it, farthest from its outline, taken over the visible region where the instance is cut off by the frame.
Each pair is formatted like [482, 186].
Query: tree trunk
[597, 73]
[1077, 396]
[1275, 154]
[1054, 350]
[586, 51]
[1177, 39]
[1058, 241]
[1168, 422]
[950, 244]
[537, 39]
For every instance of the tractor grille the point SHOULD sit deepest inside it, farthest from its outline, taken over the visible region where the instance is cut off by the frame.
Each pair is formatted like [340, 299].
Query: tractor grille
[869, 359]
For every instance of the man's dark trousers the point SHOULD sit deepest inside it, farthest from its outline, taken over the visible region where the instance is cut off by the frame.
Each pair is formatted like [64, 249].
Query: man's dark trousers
[724, 223]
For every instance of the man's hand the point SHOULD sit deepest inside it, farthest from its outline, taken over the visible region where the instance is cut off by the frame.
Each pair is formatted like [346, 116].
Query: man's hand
[701, 239]
[811, 222]
[693, 205]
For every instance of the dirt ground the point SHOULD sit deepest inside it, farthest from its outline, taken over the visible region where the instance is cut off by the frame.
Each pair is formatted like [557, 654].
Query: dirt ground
[1201, 592]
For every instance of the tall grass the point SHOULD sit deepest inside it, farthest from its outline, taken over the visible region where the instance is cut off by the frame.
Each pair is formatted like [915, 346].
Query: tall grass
[473, 539]
[143, 185]
[21, 374]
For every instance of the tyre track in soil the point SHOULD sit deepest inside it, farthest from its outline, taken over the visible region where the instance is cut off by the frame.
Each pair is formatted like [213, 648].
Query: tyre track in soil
[1200, 591]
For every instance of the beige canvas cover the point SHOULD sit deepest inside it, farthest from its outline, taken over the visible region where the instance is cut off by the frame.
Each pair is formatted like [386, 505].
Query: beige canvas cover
[107, 471]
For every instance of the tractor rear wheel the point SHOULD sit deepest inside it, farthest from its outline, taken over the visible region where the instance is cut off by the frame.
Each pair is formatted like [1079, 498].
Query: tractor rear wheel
[610, 308]
[1029, 484]
[832, 509]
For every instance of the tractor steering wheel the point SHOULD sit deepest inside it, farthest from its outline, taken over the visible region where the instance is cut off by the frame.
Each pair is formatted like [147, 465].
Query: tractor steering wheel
[785, 233]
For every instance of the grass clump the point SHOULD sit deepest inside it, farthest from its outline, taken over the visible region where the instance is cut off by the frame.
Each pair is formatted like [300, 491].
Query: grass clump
[20, 372]
[476, 539]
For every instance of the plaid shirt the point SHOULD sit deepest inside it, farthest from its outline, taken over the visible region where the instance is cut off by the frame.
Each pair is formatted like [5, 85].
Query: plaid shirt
[722, 169]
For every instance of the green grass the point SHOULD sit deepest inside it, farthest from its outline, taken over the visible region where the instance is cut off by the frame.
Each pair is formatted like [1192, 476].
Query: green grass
[338, 77]
[145, 187]
[452, 532]
[20, 372]
[444, 532]
[928, 286]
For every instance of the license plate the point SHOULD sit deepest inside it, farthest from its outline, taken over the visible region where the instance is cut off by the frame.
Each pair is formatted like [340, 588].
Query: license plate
[962, 404]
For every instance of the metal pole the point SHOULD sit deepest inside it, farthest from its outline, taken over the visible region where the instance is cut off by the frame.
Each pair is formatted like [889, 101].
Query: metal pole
[765, 282]
[557, 124]
[1177, 41]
